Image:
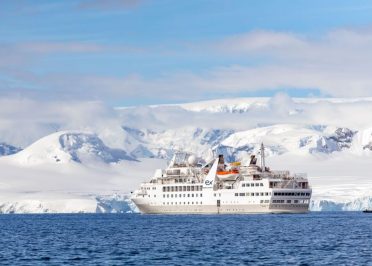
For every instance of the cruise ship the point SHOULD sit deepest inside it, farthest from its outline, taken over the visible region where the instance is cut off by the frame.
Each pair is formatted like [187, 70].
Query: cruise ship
[189, 187]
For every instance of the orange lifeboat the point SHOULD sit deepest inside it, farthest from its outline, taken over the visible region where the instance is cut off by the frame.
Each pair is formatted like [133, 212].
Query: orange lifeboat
[228, 175]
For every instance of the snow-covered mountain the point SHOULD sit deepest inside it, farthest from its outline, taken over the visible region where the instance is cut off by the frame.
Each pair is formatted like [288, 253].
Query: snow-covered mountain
[65, 147]
[72, 171]
[278, 139]
[68, 171]
[149, 144]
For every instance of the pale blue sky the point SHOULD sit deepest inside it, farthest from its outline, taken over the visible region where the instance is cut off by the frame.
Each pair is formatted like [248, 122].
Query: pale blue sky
[133, 52]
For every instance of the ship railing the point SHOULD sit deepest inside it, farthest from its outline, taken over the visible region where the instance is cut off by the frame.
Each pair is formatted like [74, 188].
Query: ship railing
[300, 175]
[280, 173]
[289, 184]
[180, 173]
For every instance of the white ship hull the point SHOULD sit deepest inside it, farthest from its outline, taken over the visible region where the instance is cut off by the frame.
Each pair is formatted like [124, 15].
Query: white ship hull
[259, 198]
[228, 209]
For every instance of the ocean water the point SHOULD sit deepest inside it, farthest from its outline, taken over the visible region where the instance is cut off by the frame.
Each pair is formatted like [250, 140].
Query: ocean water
[338, 238]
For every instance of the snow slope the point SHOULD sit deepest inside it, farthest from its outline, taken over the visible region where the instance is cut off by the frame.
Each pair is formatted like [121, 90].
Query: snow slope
[70, 187]
[67, 172]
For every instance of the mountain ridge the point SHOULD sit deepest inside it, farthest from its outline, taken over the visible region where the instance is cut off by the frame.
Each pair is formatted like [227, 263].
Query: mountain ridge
[69, 146]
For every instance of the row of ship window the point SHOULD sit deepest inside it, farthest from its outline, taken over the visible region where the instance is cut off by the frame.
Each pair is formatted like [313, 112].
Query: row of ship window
[262, 201]
[290, 201]
[184, 203]
[182, 188]
[291, 194]
[253, 194]
[252, 185]
[148, 188]
[182, 195]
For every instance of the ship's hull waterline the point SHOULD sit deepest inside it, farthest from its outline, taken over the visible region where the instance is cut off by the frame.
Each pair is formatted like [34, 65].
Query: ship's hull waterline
[228, 209]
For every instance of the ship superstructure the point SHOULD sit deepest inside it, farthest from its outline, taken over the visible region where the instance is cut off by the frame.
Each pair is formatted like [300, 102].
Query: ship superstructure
[187, 186]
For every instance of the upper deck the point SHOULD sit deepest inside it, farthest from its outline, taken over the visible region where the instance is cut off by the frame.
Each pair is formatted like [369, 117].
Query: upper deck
[185, 168]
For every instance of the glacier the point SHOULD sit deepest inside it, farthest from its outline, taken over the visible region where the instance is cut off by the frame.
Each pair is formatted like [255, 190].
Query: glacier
[116, 203]
[358, 204]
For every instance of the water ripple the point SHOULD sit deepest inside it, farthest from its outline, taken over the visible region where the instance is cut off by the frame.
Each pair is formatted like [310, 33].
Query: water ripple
[343, 238]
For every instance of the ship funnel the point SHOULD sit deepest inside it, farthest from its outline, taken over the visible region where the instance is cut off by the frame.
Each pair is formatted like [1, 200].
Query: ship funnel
[253, 160]
[221, 160]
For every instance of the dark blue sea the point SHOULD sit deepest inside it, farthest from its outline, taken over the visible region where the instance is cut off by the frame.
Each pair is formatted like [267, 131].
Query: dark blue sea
[338, 238]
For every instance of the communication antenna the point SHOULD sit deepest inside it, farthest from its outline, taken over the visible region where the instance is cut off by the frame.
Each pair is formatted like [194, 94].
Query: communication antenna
[262, 153]
[214, 152]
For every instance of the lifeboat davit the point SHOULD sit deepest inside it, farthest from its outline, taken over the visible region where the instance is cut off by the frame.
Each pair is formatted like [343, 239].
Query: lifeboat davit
[228, 175]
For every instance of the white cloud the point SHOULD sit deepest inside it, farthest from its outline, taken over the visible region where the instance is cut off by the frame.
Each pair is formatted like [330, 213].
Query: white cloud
[23, 121]
[259, 41]
[336, 64]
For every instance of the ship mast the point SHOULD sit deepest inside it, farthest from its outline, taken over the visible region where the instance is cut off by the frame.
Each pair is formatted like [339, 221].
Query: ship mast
[262, 153]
